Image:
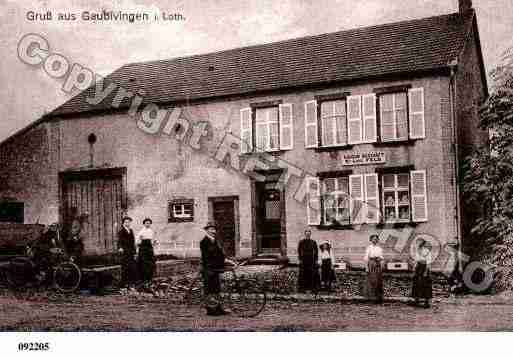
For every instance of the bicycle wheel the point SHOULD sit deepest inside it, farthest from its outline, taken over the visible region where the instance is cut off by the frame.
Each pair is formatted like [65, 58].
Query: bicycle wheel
[195, 293]
[247, 299]
[67, 277]
[19, 273]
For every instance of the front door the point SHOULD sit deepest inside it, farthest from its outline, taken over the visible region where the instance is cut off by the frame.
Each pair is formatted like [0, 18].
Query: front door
[98, 197]
[269, 217]
[223, 213]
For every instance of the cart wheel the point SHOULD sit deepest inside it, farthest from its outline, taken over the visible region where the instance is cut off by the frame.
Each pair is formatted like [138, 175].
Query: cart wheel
[67, 277]
[247, 298]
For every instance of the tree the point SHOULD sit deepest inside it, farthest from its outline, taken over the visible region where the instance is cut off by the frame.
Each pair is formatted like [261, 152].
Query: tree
[488, 177]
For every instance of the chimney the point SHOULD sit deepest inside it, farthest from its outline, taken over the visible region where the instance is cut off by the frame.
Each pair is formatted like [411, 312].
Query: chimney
[464, 5]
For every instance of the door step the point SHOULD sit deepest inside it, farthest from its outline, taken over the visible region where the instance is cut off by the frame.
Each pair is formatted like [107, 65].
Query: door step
[268, 259]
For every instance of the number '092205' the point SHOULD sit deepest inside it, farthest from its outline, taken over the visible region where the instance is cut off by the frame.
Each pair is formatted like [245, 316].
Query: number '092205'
[33, 346]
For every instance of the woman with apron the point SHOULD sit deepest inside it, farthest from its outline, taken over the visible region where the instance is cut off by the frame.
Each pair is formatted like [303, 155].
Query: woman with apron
[422, 288]
[146, 256]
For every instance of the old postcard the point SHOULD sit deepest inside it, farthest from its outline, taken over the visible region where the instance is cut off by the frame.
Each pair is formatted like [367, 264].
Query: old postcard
[293, 166]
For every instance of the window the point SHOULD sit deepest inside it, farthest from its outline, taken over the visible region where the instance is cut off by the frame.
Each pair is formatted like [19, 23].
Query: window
[181, 210]
[404, 197]
[354, 119]
[333, 123]
[349, 199]
[12, 212]
[335, 198]
[396, 197]
[266, 127]
[402, 115]
[357, 198]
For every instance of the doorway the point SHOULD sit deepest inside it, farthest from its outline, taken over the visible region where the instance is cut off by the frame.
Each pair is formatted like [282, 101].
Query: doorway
[269, 217]
[224, 211]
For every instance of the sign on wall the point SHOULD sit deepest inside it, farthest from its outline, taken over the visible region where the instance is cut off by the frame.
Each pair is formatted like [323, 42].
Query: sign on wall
[363, 158]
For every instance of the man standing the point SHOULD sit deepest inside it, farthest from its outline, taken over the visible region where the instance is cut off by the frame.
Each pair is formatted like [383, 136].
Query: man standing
[126, 247]
[308, 254]
[212, 264]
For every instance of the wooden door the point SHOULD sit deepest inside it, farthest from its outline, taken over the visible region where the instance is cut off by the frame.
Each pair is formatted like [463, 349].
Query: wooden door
[224, 217]
[98, 197]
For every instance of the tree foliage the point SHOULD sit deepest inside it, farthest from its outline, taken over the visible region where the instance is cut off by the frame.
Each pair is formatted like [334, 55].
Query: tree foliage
[488, 172]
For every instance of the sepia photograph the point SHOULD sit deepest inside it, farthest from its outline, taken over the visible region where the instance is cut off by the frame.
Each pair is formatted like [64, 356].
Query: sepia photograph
[255, 166]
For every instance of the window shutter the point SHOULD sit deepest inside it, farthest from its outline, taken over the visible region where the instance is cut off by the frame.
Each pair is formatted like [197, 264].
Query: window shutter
[369, 118]
[418, 196]
[286, 127]
[246, 130]
[311, 135]
[356, 194]
[313, 208]
[354, 119]
[386, 118]
[371, 198]
[416, 112]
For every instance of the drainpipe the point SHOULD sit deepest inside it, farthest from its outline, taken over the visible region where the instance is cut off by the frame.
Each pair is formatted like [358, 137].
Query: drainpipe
[452, 99]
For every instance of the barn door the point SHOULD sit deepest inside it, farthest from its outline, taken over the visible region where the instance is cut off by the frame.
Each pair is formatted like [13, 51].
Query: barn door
[98, 198]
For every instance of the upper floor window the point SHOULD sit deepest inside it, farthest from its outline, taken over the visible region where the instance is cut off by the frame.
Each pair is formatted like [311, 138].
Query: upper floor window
[356, 120]
[333, 122]
[266, 128]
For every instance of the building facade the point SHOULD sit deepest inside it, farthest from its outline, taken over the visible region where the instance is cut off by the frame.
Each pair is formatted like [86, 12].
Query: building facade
[314, 133]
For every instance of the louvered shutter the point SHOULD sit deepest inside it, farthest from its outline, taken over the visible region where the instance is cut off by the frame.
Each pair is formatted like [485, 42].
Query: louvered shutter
[418, 196]
[369, 118]
[386, 118]
[286, 127]
[246, 130]
[357, 196]
[416, 113]
[371, 198]
[354, 119]
[311, 134]
[313, 208]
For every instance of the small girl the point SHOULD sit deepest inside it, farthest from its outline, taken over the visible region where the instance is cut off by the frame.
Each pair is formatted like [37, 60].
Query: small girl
[327, 261]
[146, 256]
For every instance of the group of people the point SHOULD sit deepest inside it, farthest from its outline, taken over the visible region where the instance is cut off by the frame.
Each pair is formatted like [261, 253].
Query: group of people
[310, 261]
[137, 253]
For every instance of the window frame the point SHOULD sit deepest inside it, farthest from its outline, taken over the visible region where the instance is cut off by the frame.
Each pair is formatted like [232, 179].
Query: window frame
[322, 176]
[394, 92]
[396, 190]
[320, 99]
[173, 218]
[268, 128]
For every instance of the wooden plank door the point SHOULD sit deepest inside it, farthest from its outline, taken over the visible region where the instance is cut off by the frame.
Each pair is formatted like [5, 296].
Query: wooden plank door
[224, 217]
[99, 199]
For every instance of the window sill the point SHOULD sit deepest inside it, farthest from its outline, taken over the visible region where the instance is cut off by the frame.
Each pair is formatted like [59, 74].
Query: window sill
[327, 227]
[397, 224]
[270, 152]
[332, 148]
[180, 220]
[395, 143]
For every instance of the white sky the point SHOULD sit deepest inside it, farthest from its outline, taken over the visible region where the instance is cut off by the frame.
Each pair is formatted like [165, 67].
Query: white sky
[28, 92]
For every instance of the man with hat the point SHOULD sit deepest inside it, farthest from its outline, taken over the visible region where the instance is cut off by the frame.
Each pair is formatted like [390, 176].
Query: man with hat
[126, 247]
[212, 262]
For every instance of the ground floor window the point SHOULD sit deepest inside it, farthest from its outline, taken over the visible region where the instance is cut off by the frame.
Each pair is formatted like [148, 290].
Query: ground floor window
[396, 197]
[181, 210]
[12, 212]
[335, 198]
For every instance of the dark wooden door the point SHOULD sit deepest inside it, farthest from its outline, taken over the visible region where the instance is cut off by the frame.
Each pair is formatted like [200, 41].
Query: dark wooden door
[270, 212]
[98, 197]
[224, 217]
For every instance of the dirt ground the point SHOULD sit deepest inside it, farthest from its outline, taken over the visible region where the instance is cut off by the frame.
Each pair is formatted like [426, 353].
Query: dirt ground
[126, 313]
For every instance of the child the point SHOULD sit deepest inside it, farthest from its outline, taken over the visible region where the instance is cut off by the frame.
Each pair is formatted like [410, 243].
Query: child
[327, 261]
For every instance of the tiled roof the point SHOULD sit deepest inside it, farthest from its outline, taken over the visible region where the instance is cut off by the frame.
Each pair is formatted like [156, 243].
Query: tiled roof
[401, 47]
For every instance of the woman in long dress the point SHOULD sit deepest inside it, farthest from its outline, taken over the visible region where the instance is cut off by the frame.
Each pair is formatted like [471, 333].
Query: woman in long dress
[146, 256]
[373, 265]
[422, 288]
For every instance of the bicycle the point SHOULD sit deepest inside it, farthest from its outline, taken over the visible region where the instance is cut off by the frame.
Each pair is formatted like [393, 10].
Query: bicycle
[25, 272]
[244, 295]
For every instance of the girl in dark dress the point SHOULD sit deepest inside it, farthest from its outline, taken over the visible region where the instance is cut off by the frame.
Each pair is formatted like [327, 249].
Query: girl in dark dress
[422, 288]
[146, 255]
[327, 262]
[374, 262]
